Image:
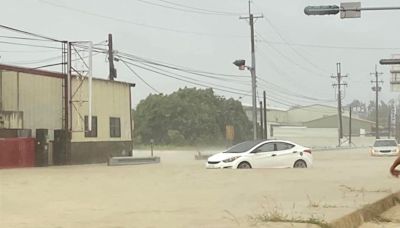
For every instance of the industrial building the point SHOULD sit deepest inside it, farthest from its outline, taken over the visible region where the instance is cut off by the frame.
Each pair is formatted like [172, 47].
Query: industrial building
[305, 118]
[34, 101]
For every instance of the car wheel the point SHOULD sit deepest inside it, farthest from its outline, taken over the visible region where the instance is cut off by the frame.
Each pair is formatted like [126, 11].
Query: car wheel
[300, 164]
[244, 165]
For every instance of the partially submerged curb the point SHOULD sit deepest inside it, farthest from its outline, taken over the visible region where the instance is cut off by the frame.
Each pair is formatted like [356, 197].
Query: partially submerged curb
[366, 213]
[114, 161]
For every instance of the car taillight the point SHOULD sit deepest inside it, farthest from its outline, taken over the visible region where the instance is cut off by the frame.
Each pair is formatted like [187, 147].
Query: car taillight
[307, 151]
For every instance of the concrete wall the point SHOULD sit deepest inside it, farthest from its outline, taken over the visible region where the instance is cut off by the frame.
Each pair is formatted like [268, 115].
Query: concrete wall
[38, 97]
[109, 99]
[98, 152]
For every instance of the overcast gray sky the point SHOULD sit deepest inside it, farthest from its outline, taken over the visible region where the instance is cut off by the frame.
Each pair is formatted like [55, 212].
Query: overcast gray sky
[296, 54]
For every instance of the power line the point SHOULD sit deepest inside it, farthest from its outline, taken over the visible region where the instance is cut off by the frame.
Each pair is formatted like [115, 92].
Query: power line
[196, 80]
[34, 62]
[29, 45]
[160, 72]
[201, 9]
[281, 90]
[279, 71]
[187, 9]
[21, 51]
[290, 59]
[185, 71]
[291, 47]
[279, 100]
[141, 60]
[137, 75]
[29, 33]
[22, 38]
[329, 46]
[168, 65]
[180, 68]
[135, 23]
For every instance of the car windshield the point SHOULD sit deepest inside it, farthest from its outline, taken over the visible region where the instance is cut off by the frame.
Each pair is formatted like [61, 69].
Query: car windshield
[382, 143]
[243, 147]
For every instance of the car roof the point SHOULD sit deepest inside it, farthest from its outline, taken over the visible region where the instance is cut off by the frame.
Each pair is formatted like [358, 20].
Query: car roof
[276, 140]
[385, 140]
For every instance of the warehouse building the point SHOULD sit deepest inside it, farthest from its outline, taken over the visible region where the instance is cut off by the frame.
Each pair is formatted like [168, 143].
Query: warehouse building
[34, 100]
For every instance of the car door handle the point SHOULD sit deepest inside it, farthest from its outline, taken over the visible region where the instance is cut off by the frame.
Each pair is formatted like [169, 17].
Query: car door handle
[295, 152]
[273, 155]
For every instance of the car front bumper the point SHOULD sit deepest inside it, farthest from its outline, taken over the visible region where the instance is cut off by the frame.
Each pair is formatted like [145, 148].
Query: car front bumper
[377, 153]
[219, 165]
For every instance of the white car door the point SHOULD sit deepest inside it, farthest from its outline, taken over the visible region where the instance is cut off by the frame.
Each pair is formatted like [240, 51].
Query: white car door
[263, 156]
[286, 154]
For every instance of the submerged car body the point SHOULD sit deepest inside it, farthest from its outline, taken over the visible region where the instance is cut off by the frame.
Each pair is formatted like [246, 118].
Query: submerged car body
[385, 147]
[262, 154]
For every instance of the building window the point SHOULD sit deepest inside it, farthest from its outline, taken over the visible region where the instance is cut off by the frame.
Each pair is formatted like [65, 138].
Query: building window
[115, 127]
[93, 132]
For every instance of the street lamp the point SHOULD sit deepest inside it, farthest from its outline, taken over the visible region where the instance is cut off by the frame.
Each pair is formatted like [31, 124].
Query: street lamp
[346, 9]
[322, 10]
[241, 63]
[389, 61]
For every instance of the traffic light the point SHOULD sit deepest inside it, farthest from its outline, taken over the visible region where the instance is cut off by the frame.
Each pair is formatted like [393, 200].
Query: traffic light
[322, 10]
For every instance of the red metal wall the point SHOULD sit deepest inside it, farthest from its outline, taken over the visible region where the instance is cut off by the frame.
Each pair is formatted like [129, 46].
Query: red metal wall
[17, 152]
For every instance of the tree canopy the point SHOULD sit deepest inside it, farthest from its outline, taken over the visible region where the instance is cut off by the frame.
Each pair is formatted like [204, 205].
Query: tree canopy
[189, 116]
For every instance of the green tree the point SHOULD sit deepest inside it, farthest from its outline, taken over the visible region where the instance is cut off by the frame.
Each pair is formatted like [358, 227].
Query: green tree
[189, 116]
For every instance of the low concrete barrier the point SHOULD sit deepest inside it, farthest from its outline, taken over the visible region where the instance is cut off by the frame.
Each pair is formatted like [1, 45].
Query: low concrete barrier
[113, 161]
[367, 213]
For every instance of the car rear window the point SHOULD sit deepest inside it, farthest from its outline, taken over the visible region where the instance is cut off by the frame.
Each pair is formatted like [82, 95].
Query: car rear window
[283, 146]
[382, 143]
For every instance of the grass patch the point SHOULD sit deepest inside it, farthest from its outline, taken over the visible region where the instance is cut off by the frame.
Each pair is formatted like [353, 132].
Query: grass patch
[318, 204]
[363, 190]
[277, 216]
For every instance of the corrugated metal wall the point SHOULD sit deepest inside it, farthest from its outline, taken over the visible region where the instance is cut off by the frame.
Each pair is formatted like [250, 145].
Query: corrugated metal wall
[17, 152]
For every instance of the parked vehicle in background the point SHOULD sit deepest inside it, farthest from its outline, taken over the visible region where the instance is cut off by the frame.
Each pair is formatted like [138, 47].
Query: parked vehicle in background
[385, 147]
[262, 154]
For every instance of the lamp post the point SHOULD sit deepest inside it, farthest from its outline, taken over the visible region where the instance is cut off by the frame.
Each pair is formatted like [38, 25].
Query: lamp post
[241, 63]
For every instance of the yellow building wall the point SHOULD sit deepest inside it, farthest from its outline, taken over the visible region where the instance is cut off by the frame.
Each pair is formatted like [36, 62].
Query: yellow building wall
[38, 97]
[109, 99]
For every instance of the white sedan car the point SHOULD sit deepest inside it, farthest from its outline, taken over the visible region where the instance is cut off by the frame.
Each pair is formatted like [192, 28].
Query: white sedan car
[384, 147]
[262, 154]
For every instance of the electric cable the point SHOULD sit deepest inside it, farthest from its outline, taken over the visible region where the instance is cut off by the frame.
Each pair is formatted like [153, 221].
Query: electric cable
[137, 75]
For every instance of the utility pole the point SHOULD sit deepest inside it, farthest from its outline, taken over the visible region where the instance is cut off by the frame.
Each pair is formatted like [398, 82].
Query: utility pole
[261, 121]
[397, 129]
[350, 112]
[377, 89]
[390, 124]
[113, 71]
[265, 116]
[339, 84]
[253, 69]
